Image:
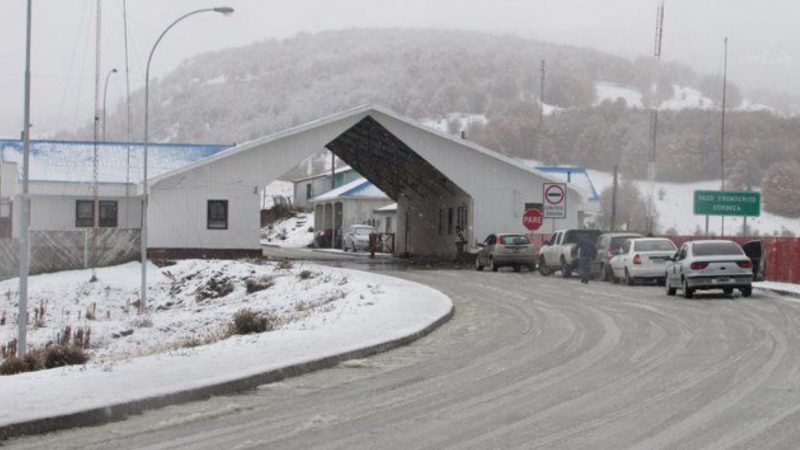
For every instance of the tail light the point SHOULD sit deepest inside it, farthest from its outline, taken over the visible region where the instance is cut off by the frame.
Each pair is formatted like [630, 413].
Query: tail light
[745, 264]
[698, 265]
[637, 259]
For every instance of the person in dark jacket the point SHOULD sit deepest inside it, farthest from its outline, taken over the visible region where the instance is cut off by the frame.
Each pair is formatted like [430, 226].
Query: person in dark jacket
[586, 254]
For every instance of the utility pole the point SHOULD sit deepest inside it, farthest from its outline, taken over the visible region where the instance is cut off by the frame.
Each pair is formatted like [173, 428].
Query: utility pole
[614, 202]
[95, 155]
[722, 132]
[541, 114]
[128, 116]
[25, 220]
[651, 170]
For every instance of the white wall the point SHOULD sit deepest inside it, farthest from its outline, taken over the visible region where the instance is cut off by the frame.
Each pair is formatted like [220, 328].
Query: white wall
[57, 213]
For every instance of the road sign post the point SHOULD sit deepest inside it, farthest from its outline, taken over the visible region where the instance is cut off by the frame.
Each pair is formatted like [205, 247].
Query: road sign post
[727, 203]
[555, 200]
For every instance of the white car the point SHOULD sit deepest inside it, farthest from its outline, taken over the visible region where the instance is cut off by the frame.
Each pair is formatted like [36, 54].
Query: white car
[710, 265]
[642, 259]
[357, 237]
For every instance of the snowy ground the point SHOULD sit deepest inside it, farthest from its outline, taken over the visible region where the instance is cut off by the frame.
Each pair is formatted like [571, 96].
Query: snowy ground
[793, 289]
[291, 233]
[331, 312]
[676, 210]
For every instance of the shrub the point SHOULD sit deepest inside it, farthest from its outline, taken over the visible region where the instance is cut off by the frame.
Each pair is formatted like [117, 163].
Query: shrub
[306, 275]
[215, 289]
[247, 321]
[44, 358]
[285, 264]
[259, 284]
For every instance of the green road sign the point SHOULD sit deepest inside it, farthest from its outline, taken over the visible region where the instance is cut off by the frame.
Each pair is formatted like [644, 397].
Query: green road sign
[727, 203]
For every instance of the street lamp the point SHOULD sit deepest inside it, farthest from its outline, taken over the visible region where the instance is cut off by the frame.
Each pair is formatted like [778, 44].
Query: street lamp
[105, 97]
[225, 10]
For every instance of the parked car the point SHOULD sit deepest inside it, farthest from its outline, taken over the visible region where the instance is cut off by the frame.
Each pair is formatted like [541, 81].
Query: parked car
[608, 246]
[559, 253]
[357, 237]
[701, 265]
[642, 259]
[499, 250]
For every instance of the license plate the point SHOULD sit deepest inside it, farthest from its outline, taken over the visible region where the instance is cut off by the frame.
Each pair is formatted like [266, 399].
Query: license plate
[515, 250]
[721, 280]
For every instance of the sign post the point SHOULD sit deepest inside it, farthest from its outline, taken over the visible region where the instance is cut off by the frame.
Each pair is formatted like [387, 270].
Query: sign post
[555, 200]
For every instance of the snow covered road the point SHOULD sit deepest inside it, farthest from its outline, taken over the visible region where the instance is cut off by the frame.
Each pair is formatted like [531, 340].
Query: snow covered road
[527, 362]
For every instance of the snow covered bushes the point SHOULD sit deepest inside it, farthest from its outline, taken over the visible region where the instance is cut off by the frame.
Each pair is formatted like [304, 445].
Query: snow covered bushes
[44, 358]
[247, 321]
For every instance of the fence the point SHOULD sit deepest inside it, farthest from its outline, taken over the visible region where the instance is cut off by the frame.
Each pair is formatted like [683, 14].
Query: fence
[52, 251]
[782, 255]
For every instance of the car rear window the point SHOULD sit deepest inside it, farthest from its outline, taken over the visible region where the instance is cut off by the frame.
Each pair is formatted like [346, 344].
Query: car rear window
[616, 243]
[364, 230]
[514, 239]
[573, 236]
[716, 248]
[654, 246]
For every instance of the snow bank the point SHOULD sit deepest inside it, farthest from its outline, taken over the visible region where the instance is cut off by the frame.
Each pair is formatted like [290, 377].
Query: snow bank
[291, 233]
[610, 91]
[367, 310]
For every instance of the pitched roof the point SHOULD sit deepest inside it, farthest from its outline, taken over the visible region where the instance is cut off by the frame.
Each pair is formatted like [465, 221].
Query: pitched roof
[360, 188]
[72, 161]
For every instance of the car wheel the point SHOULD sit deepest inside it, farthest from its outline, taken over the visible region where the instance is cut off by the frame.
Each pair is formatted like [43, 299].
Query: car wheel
[565, 270]
[478, 265]
[746, 291]
[727, 291]
[670, 290]
[532, 268]
[687, 291]
[517, 268]
[543, 269]
[628, 279]
[492, 265]
[608, 274]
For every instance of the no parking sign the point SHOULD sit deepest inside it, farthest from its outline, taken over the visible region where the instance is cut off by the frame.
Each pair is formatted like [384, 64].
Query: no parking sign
[555, 200]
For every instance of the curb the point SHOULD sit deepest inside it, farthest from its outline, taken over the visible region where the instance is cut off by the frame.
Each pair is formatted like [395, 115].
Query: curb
[779, 292]
[121, 411]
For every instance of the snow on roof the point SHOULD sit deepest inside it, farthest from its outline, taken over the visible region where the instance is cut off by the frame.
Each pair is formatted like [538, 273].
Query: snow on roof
[360, 188]
[388, 208]
[323, 174]
[72, 161]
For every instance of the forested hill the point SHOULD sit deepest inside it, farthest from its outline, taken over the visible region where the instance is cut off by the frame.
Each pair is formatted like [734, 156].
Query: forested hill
[487, 84]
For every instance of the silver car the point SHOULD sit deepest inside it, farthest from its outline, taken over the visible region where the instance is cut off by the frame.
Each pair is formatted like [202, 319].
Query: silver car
[701, 265]
[498, 250]
[608, 246]
[357, 237]
[642, 259]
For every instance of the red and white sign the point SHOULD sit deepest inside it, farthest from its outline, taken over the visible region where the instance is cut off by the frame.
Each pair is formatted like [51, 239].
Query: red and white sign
[555, 200]
[533, 219]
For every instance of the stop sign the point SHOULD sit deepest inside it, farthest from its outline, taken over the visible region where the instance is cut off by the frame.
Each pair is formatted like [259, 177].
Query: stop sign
[533, 219]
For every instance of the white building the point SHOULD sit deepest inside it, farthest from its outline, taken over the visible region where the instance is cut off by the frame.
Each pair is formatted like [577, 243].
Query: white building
[438, 181]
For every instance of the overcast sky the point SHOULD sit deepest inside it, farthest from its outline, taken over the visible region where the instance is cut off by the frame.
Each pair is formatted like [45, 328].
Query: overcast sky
[764, 38]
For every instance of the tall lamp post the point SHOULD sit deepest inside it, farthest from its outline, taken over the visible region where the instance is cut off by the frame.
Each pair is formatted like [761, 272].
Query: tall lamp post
[225, 10]
[25, 219]
[105, 97]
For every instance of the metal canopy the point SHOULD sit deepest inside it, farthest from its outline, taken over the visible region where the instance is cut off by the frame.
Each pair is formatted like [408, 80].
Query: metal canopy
[388, 163]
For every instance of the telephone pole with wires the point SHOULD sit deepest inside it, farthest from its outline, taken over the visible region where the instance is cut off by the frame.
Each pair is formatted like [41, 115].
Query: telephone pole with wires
[95, 154]
[128, 114]
[722, 132]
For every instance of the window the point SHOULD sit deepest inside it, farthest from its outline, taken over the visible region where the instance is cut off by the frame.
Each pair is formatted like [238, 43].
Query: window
[721, 248]
[450, 220]
[389, 225]
[84, 213]
[514, 239]
[308, 191]
[441, 220]
[108, 213]
[217, 215]
[461, 219]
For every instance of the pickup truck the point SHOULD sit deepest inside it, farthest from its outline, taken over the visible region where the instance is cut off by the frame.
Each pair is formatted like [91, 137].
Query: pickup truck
[559, 253]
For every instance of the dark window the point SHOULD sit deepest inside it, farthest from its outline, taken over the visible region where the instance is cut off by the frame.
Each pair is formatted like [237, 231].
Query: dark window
[389, 224]
[217, 215]
[573, 236]
[308, 191]
[717, 249]
[441, 220]
[514, 239]
[450, 220]
[461, 220]
[84, 213]
[108, 213]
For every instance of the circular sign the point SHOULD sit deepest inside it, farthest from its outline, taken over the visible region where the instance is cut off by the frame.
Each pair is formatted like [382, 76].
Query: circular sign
[533, 219]
[554, 194]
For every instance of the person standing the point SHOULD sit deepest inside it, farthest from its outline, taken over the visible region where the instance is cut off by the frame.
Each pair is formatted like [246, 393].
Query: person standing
[461, 241]
[586, 254]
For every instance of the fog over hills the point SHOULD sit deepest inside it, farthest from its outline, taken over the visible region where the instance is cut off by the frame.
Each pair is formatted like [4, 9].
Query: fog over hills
[486, 85]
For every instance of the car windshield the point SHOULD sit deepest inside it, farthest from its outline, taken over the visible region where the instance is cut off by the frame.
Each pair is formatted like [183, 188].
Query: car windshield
[573, 236]
[514, 239]
[661, 245]
[716, 248]
[363, 231]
